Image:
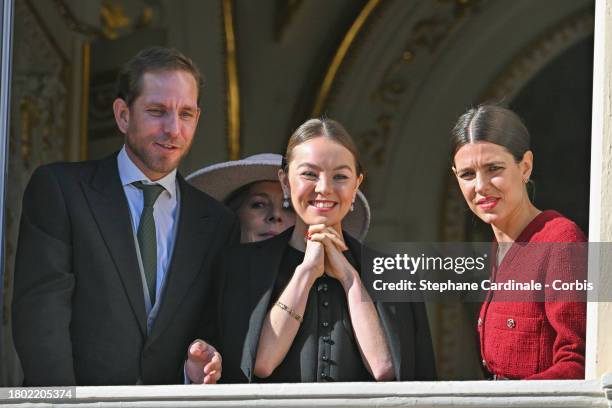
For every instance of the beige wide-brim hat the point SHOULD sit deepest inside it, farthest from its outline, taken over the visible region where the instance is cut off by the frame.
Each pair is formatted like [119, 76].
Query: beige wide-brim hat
[222, 179]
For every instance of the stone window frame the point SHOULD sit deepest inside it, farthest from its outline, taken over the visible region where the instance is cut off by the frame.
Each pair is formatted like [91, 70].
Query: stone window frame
[595, 390]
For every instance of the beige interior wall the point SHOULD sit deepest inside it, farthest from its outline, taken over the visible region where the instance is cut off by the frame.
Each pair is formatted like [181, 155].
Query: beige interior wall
[599, 323]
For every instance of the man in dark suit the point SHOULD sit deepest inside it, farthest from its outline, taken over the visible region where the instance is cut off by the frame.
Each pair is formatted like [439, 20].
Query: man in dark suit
[114, 271]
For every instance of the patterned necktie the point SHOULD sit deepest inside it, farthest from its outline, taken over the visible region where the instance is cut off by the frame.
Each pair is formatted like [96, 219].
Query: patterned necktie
[147, 237]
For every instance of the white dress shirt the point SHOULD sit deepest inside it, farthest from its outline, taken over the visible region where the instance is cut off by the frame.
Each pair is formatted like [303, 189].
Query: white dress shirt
[165, 213]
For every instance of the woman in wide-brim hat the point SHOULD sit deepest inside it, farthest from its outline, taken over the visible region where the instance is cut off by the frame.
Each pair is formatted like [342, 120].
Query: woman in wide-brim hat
[251, 188]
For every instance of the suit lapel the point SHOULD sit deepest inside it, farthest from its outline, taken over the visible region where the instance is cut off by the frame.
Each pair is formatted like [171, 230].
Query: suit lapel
[265, 262]
[192, 244]
[109, 206]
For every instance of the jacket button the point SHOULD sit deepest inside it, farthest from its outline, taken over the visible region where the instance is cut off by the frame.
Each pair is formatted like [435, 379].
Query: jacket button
[325, 324]
[511, 323]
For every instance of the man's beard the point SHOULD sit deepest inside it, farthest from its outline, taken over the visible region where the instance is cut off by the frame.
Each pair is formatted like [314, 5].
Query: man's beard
[157, 164]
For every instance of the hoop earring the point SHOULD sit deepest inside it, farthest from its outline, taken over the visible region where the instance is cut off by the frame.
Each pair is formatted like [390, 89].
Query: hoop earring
[353, 206]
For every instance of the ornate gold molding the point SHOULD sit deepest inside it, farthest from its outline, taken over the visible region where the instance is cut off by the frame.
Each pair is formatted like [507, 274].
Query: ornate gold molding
[231, 77]
[113, 18]
[340, 55]
[539, 53]
[29, 118]
[426, 36]
[86, 61]
[113, 21]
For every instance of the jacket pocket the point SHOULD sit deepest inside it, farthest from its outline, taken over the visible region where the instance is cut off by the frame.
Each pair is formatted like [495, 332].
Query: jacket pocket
[512, 344]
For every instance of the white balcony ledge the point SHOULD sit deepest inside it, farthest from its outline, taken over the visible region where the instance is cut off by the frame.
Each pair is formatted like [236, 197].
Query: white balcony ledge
[592, 393]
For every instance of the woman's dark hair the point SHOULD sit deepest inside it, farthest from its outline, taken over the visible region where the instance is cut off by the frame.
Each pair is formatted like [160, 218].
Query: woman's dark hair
[327, 128]
[491, 123]
[235, 200]
[152, 59]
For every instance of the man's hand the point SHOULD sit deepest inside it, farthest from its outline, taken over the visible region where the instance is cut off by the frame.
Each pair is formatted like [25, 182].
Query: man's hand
[203, 365]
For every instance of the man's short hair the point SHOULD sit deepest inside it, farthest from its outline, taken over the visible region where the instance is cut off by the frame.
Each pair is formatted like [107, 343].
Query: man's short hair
[153, 59]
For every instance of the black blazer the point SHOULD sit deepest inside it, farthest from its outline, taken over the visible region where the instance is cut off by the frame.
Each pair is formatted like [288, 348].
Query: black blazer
[78, 309]
[250, 272]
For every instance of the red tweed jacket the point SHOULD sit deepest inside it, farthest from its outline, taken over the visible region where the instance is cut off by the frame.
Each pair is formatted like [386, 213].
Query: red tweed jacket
[528, 339]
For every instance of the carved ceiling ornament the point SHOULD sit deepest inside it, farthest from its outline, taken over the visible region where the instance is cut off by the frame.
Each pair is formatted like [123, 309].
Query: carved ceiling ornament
[426, 37]
[535, 57]
[115, 21]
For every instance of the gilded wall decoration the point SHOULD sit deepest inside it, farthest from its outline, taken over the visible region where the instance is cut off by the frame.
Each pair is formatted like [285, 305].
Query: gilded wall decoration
[38, 131]
[340, 57]
[426, 38]
[549, 45]
[38, 109]
[115, 20]
[232, 98]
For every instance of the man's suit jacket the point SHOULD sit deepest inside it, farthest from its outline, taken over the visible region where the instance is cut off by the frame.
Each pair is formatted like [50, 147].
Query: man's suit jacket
[250, 272]
[78, 309]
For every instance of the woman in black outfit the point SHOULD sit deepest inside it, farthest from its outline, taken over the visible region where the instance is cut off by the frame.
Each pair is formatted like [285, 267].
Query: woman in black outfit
[294, 308]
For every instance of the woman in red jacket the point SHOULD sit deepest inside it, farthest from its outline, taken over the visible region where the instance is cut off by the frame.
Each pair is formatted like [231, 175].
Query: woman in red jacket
[519, 339]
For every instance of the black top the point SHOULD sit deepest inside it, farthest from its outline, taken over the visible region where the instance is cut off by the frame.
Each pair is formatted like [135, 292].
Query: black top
[251, 286]
[324, 348]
